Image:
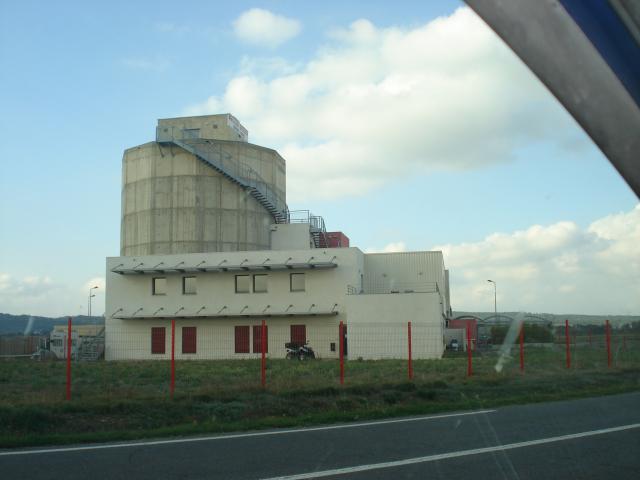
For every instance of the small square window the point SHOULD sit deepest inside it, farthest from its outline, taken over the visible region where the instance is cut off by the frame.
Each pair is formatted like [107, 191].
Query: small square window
[159, 286]
[189, 286]
[297, 282]
[243, 284]
[260, 283]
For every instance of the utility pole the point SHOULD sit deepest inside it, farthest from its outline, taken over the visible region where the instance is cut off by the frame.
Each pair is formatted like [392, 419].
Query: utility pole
[495, 299]
[89, 300]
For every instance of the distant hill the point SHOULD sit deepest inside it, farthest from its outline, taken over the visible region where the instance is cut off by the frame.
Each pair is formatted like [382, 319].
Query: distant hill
[616, 320]
[18, 323]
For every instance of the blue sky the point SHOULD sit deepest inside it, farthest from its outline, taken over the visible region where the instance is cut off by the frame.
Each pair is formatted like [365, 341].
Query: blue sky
[409, 127]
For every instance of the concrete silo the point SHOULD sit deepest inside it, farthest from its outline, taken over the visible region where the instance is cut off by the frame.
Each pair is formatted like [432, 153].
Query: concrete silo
[200, 187]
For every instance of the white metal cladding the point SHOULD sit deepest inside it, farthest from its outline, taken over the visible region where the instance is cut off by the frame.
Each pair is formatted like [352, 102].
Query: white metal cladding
[447, 291]
[404, 271]
[377, 325]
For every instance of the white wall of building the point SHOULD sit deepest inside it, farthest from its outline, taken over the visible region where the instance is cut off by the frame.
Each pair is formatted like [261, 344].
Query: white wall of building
[405, 272]
[377, 325]
[376, 322]
[292, 236]
[130, 301]
[215, 337]
[130, 296]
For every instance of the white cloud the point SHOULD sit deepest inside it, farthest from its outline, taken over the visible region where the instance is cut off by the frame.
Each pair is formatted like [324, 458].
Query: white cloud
[95, 282]
[262, 27]
[266, 66]
[42, 295]
[558, 268]
[390, 247]
[379, 103]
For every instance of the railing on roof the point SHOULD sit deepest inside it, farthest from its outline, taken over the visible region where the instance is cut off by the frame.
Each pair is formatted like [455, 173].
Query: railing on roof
[316, 224]
[388, 286]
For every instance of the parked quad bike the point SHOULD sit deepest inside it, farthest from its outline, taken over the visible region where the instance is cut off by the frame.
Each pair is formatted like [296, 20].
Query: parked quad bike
[298, 351]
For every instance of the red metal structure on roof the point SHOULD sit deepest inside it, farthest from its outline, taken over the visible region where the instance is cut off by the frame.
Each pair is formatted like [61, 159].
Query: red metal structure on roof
[337, 240]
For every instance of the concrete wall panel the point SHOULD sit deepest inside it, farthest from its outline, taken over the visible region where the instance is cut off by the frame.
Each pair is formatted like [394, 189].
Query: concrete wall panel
[174, 203]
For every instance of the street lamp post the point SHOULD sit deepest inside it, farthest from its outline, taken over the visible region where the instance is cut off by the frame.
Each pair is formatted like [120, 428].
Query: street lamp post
[495, 299]
[89, 300]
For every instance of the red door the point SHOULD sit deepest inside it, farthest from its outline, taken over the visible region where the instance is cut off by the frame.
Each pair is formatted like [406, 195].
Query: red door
[189, 340]
[257, 339]
[298, 334]
[242, 339]
[158, 336]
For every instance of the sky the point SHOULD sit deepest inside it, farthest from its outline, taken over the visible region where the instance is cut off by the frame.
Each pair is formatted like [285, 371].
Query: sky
[408, 126]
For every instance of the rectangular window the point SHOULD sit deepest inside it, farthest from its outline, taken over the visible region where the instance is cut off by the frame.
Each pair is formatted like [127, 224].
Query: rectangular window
[189, 286]
[260, 284]
[242, 339]
[159, 285]
[298, 334]
[296, 282]
[188, 339]
[158, 339]
[257, 339]
[243, 284]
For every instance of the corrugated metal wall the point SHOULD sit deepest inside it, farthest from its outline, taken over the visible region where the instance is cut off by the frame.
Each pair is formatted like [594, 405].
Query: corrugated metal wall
[404, 271]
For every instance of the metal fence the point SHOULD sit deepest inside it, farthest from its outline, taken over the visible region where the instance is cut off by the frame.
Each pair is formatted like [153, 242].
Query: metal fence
[182, 358]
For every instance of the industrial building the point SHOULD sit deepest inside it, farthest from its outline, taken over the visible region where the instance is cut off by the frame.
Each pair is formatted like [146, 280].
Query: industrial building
[207, 240]
[87, 341]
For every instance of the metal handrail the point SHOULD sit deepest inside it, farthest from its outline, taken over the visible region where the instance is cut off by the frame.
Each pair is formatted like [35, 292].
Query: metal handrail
[316, 223]
[387, 286]
[211, 152]
[238, 169]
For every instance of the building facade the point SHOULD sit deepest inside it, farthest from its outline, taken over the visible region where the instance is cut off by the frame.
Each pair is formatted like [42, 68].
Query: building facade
[184, 259]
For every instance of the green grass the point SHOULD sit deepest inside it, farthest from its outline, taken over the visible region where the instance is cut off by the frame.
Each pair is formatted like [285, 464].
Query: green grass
[125, 400]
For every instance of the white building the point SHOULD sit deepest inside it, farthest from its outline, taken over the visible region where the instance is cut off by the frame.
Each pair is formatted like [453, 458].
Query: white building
[193, 238]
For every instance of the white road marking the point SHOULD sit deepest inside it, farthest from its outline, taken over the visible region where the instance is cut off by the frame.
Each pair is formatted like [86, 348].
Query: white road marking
[445, 456]
[240, 435]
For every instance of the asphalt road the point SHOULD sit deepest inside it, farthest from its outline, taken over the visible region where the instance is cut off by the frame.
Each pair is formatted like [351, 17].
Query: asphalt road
[582, 439]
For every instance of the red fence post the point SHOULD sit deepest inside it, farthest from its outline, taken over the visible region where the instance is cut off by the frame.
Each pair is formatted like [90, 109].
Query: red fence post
[469, 365]
[341, 341]
[172, 385]
[263, 349]
[69, 359]
[566, 337]
[607, 328]
[522, 347]
[409, 340]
